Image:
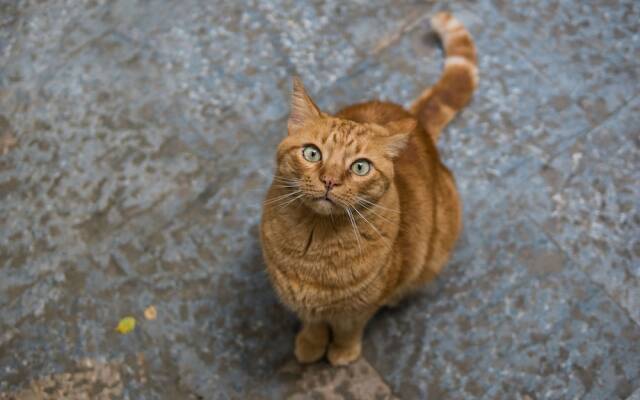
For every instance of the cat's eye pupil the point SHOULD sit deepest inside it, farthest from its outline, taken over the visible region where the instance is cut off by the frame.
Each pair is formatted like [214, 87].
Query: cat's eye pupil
[361, 167]
[311, 153]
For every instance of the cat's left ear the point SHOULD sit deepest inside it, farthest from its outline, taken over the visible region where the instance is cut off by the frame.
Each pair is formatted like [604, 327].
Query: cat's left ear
[399, 133]
[303, 109]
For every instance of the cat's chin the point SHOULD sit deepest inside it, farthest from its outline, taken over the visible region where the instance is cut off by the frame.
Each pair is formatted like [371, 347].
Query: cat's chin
[323, 206]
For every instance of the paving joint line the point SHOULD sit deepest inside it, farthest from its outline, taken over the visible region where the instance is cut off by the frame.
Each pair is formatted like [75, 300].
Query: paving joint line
[598, 285]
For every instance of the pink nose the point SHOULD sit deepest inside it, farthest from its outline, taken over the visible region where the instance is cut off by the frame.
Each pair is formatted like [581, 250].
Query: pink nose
[329, 182]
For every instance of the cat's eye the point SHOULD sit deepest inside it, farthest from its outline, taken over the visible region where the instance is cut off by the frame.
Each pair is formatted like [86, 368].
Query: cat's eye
[361, 167]
[311, 153]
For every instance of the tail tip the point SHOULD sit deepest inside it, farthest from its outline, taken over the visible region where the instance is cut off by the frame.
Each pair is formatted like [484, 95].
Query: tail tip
[444, 22]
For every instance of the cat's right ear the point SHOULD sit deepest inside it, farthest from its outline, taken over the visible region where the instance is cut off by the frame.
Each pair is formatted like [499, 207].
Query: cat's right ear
[399, 133]
[303, 109]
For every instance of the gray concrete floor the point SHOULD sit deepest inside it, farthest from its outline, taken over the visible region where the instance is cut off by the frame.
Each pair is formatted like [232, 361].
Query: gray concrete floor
[137, 139]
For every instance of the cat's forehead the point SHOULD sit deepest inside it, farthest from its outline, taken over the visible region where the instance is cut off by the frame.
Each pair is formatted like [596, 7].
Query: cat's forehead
[344, 134]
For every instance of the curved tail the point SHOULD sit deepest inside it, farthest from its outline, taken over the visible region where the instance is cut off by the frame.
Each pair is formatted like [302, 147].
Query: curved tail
[438, 104]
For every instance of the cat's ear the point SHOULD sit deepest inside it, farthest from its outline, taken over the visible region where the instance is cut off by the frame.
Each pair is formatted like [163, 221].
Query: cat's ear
[303, 109]
[399, 133]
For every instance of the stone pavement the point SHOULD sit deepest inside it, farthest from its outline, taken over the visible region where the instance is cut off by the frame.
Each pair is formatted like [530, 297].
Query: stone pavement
[137, 139]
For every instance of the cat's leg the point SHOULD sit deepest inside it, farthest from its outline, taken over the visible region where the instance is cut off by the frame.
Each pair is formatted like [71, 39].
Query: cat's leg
[347, 338]
[311, 341]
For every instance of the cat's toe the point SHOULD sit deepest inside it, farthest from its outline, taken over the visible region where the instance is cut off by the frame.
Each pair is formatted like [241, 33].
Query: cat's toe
[344, 355]
[307, 352]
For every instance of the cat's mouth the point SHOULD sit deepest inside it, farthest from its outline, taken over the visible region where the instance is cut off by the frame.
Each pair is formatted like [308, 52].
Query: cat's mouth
[325, 199]
[324, 204]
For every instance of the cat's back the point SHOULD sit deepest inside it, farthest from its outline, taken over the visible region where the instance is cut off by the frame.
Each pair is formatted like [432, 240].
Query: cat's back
[378, 112]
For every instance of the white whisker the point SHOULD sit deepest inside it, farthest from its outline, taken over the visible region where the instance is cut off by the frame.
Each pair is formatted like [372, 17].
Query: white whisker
[291, 201]
[282, 197]
[372, 226]
[285, 180]
[367, 202]
[264, 188]
[286, 186]
[371, 210]
[356, 232]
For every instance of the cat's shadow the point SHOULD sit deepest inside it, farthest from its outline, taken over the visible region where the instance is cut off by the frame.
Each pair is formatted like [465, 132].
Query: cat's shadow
[258, 331]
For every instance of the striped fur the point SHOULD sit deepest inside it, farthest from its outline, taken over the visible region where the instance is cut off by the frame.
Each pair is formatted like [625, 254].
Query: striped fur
[437, 105]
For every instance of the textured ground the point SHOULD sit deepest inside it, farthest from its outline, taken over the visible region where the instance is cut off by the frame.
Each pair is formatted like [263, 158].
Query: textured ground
[137, 139]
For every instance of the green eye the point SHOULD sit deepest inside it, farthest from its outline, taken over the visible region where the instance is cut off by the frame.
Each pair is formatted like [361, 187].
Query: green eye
[361, 167]
[311, 153]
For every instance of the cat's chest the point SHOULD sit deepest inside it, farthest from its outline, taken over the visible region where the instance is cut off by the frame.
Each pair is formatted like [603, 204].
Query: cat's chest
[310, 240]
[323, 280]
[318, 287]
[322, 269]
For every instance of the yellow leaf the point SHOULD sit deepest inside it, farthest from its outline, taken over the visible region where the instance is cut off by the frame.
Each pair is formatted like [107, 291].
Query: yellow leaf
[126, 325]
[150, 313]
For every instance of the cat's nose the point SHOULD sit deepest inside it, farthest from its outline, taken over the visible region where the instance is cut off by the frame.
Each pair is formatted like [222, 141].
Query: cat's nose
[330, 182]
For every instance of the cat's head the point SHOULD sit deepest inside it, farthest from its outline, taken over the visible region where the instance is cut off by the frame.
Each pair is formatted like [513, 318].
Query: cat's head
[332, 163]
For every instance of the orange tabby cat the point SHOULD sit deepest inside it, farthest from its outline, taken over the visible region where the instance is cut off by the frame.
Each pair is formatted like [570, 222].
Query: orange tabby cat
[361, 210]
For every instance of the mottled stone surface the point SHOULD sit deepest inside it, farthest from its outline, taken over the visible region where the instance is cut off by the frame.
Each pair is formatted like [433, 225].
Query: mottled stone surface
[89, 380]
[635, 395]
[137, 139]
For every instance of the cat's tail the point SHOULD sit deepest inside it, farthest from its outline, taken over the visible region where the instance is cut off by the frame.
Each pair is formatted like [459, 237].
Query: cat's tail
[438, 104]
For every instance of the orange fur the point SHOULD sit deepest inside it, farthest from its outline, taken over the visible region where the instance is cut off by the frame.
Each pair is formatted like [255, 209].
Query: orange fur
[337, 245]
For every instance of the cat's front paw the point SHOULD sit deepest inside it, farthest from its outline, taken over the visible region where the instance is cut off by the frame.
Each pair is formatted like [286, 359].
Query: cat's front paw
[344, 354]
[306, 351]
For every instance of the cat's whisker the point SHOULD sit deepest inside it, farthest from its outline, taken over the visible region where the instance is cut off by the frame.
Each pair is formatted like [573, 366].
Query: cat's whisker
[265, 189]
[286, 182]
[285, 179]
[290, 201]
[281, 184]
[356, 232]
[400, 227]
[286, 186]
[372, 211]
[374, 205]
[386, 242]
[284, 195]
[365, 201]
[281, 197]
